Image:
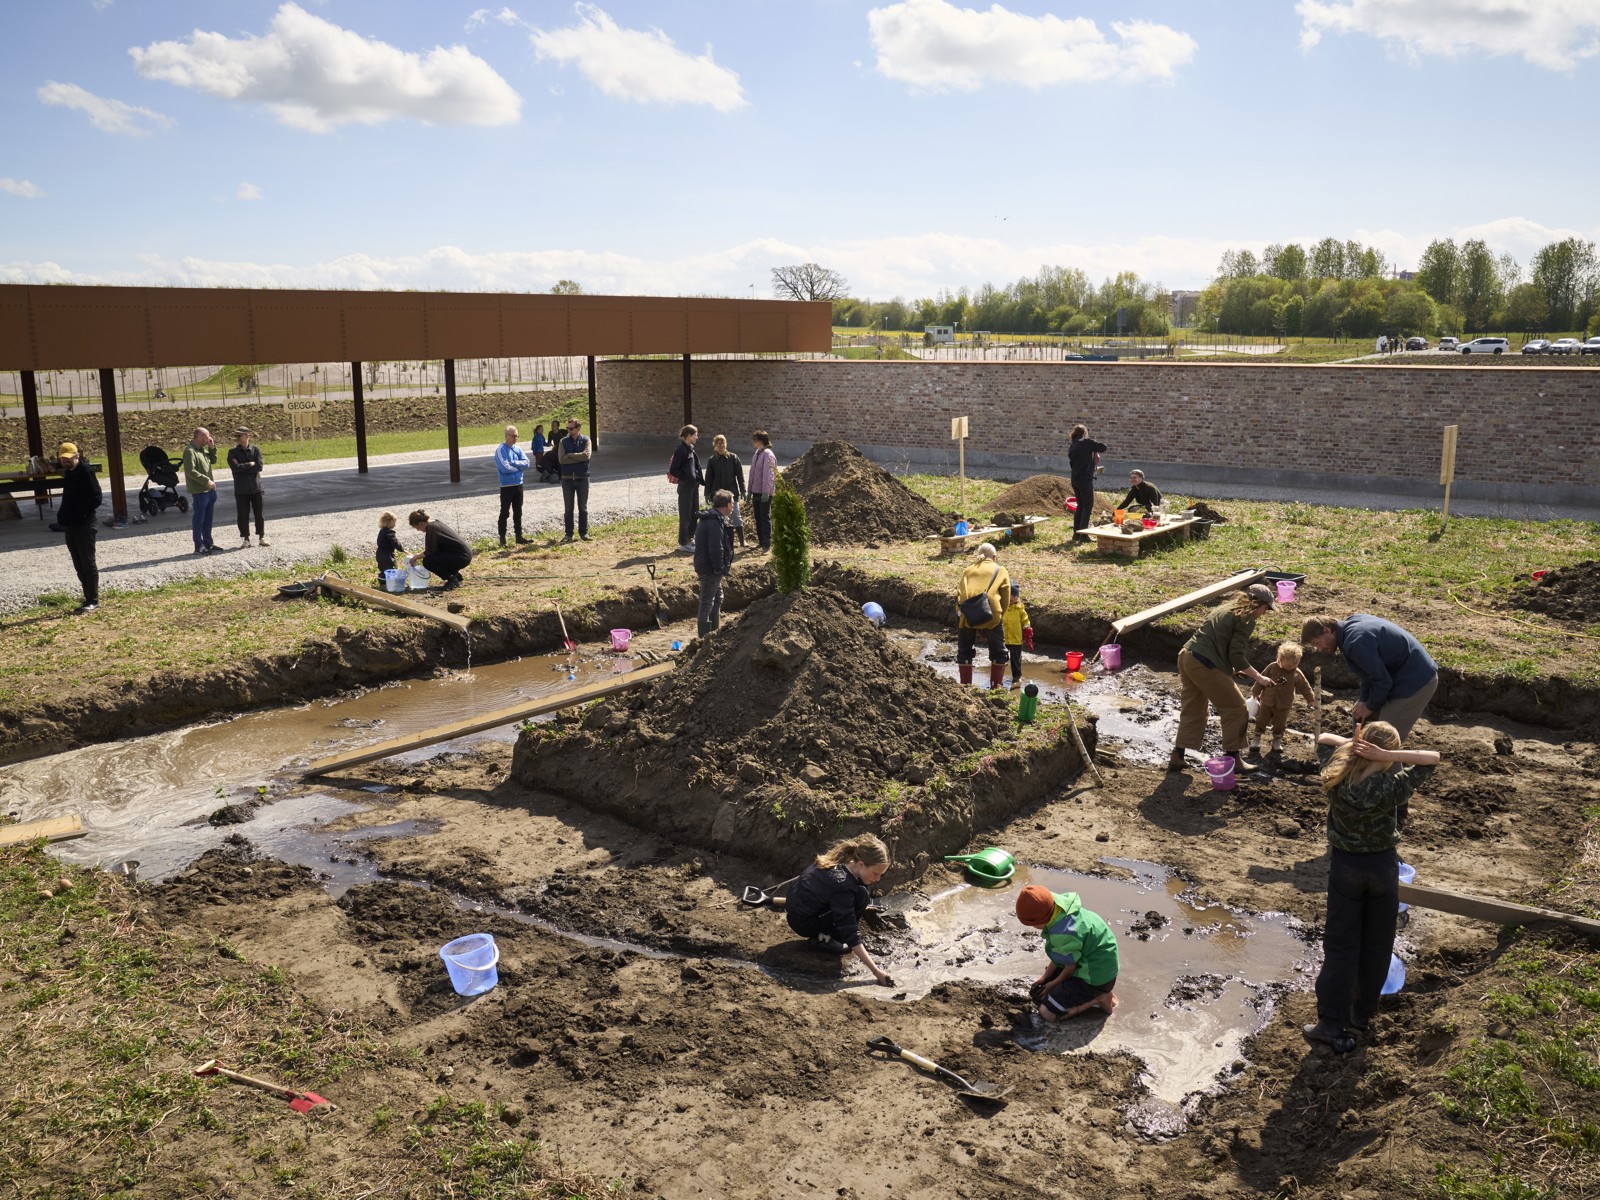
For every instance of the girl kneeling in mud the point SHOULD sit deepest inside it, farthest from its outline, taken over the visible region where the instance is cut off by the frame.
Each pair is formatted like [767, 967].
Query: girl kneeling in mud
[828, 899]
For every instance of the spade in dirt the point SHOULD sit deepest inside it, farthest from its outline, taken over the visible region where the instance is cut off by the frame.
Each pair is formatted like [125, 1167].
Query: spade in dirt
[301, 1102]
[981, 1095]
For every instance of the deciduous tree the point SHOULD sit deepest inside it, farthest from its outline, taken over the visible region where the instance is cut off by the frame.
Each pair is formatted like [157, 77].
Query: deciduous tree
[808, 281]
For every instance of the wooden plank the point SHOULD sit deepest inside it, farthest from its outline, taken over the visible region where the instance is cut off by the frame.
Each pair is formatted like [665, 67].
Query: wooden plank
[1187, 600]
[1501, 912]
[53, 829]
[393, 603]
[488, 720]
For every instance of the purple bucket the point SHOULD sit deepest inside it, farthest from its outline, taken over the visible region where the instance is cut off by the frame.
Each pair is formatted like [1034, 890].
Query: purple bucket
[1221, 771]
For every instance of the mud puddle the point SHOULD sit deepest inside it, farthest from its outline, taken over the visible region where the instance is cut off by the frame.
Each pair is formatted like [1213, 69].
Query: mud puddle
[1196, 980]
[149, 798]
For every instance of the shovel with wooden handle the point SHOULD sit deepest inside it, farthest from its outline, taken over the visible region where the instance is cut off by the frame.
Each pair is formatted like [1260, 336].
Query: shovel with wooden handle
[301, 1102]
[983, 1094]
[661, 620]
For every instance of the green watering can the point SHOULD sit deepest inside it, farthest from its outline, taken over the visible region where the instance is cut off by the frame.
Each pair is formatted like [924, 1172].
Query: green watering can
[990, 866]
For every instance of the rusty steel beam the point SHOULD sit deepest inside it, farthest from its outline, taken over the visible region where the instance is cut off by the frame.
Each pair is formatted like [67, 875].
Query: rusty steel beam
[360, 402]
[30, 417]
[594, 413]
[688, 394]
[450, 419]
[108, 410]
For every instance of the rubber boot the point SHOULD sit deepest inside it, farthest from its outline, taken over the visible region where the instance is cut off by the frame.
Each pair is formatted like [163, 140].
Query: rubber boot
[997, 675]
[1176, 761]
[964, 672]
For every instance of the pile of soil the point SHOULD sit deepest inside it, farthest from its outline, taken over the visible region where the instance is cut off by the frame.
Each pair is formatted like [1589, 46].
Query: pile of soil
[1567, 593]
[851, 500]
[1045, 495]
[796, 723]
[1206, 513]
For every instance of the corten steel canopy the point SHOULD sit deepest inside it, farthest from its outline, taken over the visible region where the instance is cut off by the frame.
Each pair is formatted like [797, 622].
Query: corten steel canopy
[64, 328]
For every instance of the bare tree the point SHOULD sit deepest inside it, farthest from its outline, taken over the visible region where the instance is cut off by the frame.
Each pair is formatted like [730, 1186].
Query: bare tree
[808, 281]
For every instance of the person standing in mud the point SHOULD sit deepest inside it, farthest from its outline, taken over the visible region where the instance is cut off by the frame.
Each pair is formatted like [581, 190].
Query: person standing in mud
[1081, 457]
[1207, 665]
[827, 902]
[1398, 677]
[763, 484]
[713, 557]
[684, 471]
[445, 552]
[1368, 780]
[1083, 966]
[982, 597]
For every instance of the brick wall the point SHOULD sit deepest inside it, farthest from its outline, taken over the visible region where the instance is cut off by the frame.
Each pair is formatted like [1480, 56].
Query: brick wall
[1530, 429]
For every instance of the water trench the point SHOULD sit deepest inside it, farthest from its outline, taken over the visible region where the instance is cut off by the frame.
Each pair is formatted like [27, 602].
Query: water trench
[1197, 979]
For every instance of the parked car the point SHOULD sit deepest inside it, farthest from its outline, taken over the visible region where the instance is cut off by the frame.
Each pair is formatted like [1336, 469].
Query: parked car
[1449, 343]
[1565, 346]
[1416, 343]
[1486, 345]
[1536, 346]
[1592, 346]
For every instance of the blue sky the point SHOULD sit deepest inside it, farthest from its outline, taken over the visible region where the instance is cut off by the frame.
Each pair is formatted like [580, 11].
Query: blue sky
[686, 148]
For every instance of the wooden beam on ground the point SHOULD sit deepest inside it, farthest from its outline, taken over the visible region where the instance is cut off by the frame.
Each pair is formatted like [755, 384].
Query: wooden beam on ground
[1501, 912]
[54, 829]
[489, 720]
[392, 602]
[1188, 600]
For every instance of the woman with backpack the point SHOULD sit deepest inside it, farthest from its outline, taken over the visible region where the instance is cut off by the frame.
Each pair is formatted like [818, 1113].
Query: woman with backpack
[982, 597]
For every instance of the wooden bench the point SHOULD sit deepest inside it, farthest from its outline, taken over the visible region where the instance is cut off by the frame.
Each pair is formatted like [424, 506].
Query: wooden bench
[1111, 540]
[962, 542]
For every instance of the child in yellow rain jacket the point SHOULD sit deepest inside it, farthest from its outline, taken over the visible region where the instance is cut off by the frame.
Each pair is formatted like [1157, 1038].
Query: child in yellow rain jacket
[1277, 702]
[1019, 632]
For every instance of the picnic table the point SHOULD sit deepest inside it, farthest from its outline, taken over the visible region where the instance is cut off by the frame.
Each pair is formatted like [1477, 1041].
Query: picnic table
[958, 543]
[40, 485]
[1109, 539]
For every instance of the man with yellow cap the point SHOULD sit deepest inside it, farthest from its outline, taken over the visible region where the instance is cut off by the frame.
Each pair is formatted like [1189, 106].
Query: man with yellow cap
[80, 496]
[1082, 950]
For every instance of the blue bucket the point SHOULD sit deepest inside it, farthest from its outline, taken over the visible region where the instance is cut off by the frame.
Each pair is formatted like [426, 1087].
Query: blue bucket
[1407, 874]
[471, 963]
[394, 579]
[873, 611]
[1397, 975]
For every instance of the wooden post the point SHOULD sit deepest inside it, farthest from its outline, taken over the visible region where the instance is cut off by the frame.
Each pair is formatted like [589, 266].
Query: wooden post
[360, 415]
[958, 433]
[108, 410]
[450, 419]
[1447, 468]
[594, 414]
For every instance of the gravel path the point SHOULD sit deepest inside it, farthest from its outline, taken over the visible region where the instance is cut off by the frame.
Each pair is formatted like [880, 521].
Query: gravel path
[311, 507]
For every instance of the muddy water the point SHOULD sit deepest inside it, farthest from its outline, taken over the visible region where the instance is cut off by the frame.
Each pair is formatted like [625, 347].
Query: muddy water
[148, 798]
[1196, 980]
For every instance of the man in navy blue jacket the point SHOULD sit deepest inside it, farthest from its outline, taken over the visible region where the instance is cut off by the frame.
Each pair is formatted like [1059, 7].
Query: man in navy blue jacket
[1398, 678]
[713, 557]
[574, 452]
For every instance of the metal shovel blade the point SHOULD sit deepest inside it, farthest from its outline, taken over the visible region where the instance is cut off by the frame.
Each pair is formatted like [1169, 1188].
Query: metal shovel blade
[984, 1095]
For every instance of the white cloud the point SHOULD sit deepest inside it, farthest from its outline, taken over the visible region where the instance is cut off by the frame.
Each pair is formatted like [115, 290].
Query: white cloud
[935, 45]
[112, 116]
[637, 64]
[248, 191]
[1553, 34]
[483, 16]
[316, 76]
[25, 188]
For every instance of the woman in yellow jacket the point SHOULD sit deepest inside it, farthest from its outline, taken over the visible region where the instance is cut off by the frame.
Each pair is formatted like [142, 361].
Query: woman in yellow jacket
[1019, 632]
[984, 579]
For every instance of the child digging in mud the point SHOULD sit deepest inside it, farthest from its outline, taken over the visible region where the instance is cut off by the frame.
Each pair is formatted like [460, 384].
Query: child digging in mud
[826, 902]
[1082, 952]
[1277, 702]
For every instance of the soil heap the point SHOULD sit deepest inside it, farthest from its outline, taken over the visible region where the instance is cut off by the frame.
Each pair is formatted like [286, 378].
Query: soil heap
[1044, 495]
[851, 500]
[1567, 593]
[796, 723]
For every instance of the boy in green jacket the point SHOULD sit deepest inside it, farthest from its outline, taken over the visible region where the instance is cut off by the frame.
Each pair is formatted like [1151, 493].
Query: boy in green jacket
[1082, 952]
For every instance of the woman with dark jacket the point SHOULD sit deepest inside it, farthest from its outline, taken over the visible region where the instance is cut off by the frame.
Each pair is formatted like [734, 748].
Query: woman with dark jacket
[1207, 665]
[684, 471]
[826, 902]
[444, 552]
[1081, 458]
[725, 473]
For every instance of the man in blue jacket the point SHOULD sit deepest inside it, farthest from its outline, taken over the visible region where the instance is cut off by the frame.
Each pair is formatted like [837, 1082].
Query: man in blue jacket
[1398, 678]
[511, 460]
[713, 557]
[574, 452]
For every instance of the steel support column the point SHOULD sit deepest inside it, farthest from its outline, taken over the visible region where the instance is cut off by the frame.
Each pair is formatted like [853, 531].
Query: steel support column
[30, 418]
[688, 394]
[108, 410]
[360, 418]
[450, 419]
[594, 412]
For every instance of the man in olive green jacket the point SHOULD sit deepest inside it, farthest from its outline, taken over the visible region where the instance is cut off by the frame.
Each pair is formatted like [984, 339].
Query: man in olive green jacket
[199, 464]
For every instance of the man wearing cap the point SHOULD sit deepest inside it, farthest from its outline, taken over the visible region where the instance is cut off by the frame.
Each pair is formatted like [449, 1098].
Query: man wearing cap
[199, 466]
[80, 496]
[1207, 665]
[1083, 966]
[574, 453]
[244, 460]
[1398, 677]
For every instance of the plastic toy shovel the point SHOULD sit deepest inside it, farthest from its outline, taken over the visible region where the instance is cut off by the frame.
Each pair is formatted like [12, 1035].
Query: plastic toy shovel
[301, 1102]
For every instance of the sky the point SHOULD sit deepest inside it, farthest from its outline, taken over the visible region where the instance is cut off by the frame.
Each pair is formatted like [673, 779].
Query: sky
[687, 147]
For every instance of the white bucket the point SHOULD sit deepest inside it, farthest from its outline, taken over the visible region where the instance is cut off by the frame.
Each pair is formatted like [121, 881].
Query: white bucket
[394, 580]
[419, 577]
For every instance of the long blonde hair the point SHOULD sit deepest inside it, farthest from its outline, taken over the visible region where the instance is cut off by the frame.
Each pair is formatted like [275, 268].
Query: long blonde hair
[1242, 604]
[865, 849]
[1344, 762]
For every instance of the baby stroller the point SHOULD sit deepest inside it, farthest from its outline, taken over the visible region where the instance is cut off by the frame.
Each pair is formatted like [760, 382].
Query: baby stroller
[160, 490]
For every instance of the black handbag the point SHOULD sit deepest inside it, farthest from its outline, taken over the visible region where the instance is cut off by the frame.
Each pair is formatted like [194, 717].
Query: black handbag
[976, 610]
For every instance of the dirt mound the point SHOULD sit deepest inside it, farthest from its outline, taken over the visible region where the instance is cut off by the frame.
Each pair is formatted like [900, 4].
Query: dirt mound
[1206, 513]
[1045, 495]
[849, 499]
[1567, 593]
[798, 722]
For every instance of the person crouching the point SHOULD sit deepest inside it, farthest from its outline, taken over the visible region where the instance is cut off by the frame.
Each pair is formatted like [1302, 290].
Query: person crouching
[826, 902]
[1082, 972]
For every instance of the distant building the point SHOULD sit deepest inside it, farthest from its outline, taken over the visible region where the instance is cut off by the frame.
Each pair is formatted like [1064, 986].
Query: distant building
[1184, 305]
[936, 335]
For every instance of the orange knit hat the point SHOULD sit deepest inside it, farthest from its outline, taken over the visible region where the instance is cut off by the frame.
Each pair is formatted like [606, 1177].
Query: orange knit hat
[1035, 904]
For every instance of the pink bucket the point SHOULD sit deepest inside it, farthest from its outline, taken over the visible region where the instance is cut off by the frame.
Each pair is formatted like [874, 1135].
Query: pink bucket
[620, 639]
[1286, 591]
[1221, 771]
[1111, 657]
[1074, 659]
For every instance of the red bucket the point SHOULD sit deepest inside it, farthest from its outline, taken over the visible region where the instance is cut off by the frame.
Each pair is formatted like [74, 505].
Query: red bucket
[1074, 659]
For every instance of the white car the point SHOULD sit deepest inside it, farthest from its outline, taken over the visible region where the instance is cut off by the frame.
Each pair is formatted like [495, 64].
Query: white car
[1449, 343]
[1486, 345]
[1565, 346]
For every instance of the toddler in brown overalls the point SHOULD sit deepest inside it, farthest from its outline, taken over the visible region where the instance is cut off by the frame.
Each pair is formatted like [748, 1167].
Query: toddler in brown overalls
[1277, 702]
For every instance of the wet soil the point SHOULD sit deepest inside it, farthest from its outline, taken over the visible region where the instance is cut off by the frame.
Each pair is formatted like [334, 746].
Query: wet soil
[1567, 593]
[852, 500]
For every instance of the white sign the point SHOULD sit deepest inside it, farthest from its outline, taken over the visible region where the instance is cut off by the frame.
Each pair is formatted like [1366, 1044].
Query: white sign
[958, 428]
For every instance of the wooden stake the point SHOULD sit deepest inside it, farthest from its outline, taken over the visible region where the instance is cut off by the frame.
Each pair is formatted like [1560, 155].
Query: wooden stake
[1083, 750]
[1447, 469]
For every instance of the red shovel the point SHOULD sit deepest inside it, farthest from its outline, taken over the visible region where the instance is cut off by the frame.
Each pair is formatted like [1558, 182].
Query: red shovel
[301, 1102]
[565, 640]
